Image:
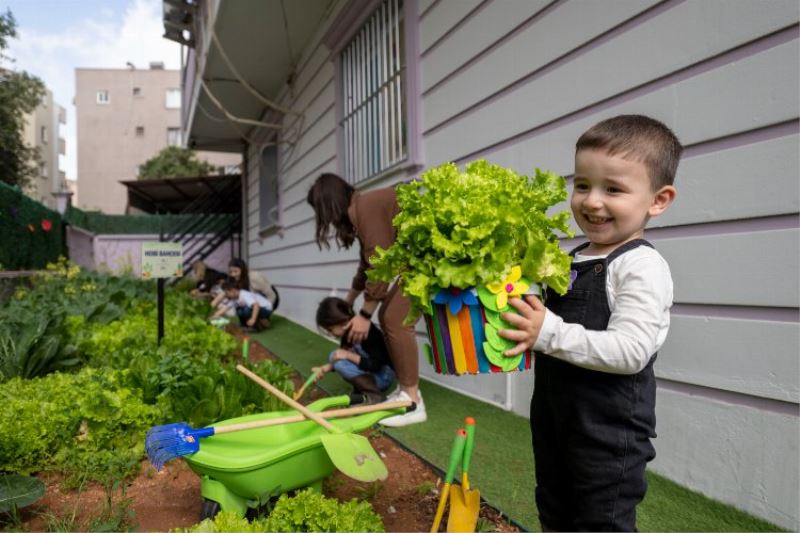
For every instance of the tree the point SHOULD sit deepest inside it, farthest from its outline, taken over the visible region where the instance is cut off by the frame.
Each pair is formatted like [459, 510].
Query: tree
[175, 162]
[20, 93]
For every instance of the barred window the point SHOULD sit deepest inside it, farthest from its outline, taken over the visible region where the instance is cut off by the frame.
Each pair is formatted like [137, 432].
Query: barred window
[372, 76]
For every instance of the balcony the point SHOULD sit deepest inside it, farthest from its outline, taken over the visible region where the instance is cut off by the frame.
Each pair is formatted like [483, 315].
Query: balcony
[246, 41]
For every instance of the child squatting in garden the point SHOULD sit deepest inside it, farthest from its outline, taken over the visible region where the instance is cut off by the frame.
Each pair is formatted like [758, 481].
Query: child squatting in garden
[252, 308]
[593, 405]
[366, 364]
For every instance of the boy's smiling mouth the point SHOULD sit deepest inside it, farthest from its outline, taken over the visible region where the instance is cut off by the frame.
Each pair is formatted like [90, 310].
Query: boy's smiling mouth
[592, 219]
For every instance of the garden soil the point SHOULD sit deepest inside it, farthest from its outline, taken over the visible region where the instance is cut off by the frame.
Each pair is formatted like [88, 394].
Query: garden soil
[160, 501]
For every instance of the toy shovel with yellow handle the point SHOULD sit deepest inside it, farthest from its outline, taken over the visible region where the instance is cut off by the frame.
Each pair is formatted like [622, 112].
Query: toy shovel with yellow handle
[465, 504]
[456, 453]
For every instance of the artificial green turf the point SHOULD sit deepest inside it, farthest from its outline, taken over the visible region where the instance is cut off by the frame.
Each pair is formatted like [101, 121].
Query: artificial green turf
[502, 465]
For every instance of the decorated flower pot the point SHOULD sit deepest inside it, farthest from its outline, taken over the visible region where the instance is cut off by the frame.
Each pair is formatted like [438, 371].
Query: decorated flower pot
[463, 329]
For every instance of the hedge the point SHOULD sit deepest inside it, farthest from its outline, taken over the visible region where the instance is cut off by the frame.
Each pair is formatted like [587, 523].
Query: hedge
[31, 235]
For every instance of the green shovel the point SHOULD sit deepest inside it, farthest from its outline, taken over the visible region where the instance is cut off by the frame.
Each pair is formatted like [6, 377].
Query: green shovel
[352, 454]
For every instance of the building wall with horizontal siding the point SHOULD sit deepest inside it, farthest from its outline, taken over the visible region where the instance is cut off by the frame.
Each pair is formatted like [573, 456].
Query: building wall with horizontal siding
[516, 82]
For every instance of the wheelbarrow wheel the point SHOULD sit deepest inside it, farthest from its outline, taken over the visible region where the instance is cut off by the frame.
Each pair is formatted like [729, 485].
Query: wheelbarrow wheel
[210, 509]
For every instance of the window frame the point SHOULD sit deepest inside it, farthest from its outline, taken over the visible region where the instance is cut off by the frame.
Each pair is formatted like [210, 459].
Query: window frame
[103, 97]
[345, 27]
[180, 136]
[166, 98]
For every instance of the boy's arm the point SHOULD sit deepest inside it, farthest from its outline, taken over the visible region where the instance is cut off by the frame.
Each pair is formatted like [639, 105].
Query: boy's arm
[342, 354]
[636, 329]
[254, 315]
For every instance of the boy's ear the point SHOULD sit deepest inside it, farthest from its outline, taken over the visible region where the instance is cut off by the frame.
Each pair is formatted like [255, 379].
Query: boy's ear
[662, 199]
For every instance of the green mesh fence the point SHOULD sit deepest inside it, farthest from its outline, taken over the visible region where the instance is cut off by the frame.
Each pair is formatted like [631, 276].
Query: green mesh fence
[31, 235]
[102, 224]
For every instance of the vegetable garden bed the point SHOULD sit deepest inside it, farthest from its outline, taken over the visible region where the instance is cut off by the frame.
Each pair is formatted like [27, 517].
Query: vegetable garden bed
[82, 379]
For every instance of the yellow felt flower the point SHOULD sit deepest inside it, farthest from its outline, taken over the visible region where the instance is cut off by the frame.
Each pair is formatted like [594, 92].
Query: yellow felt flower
[508, 288]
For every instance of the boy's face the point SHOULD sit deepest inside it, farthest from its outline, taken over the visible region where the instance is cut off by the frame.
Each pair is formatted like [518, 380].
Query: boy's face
[337, 330]
[612, 199]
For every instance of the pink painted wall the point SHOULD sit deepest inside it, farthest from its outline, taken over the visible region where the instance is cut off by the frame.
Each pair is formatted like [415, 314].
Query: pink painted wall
[122, 254]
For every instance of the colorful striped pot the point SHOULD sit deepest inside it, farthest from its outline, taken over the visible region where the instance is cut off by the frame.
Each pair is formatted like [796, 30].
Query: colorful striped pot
[459, 343]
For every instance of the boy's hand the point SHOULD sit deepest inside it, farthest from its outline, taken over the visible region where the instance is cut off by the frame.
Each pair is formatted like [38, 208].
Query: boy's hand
[341, 355]
[320, 371]
[251, 322]
[528, 323]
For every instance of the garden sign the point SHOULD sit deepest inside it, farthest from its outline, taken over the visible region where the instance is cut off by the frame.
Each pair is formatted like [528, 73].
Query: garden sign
[161, 260]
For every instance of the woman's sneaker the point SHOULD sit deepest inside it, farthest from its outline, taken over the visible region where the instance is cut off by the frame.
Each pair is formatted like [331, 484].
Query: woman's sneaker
[412, 417]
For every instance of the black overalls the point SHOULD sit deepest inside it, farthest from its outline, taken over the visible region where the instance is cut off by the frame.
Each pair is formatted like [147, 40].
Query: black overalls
[591, 430]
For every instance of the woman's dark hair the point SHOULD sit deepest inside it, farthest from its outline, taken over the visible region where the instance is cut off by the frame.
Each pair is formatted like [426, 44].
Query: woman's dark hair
[333, 311]
[330, 197]
[244, 279]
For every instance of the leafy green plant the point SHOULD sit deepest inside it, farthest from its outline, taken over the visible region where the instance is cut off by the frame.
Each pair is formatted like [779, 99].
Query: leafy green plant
[40, 346]
[424, 488]
[484, 526]
[305, 511]
[311, 511]
[53, 421]
[18, 491]
[369, 492]
[468, 229]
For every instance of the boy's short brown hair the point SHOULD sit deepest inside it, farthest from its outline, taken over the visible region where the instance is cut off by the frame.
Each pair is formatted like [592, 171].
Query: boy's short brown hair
[639, 138]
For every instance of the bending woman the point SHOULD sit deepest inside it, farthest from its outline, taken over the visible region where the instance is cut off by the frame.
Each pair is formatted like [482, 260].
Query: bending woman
[367, 217]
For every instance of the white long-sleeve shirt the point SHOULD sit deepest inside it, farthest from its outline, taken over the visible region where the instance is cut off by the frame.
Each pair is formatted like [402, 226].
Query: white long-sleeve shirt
[639, 289]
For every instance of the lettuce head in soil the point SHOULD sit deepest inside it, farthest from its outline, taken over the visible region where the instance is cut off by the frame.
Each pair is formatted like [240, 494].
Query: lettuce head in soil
[466, 229]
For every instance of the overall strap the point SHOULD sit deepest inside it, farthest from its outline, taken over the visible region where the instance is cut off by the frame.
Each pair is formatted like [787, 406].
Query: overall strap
[579, 248]
[627, 247]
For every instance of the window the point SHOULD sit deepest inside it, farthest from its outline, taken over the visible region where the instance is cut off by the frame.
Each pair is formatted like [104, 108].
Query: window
[372, 71]
[140, 131]
[268, 191]
[174, 137]
[44, 134]
[173, 99]
[103, 97]
[137, 91]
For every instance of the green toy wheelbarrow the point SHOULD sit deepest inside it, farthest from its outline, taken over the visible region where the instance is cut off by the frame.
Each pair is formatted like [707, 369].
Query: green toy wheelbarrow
[242, 469]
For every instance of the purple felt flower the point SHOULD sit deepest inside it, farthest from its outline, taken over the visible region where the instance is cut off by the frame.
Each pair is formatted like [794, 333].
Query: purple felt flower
[455, 298]
[573, 275]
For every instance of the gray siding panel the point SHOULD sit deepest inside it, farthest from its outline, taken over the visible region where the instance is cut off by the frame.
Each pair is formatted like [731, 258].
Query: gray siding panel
[479, 32]
[763, 95]
[758, 268]
[565, 28]
[751, 357]
[738, 454]
[441, 19]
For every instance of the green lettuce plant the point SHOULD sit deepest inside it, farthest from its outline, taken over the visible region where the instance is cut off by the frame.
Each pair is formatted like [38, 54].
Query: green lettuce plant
[305, 511]
[465, 229]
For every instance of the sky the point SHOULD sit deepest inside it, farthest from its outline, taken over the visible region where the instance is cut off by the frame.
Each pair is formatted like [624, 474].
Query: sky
[57, 36]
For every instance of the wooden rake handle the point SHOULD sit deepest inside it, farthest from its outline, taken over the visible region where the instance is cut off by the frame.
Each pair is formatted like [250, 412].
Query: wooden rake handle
[288, 401]
[333, 413]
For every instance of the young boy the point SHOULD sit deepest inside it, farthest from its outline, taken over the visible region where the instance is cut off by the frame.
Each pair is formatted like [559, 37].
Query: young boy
[252, 308]
[365, 365]
[593, 406]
